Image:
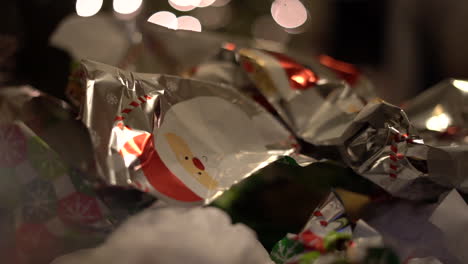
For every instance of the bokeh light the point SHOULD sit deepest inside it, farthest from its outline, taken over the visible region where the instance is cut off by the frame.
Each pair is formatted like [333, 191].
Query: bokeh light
[181, 8]
[165, 19]
[186, 2]
[126, 6]
[461, 85]
[205, 3]
[87, 8]
[289, 13]
[438, 122]
[189, 23]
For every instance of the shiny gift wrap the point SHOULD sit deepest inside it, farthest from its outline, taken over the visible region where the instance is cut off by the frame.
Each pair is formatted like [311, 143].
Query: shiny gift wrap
[182, 140]
[441, 113]
[328, 238]
[382, 146]
[313, 102]
[315, 107]
[314, 97]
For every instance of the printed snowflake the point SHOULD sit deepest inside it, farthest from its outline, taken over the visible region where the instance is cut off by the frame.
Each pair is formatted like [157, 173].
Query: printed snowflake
[79, 209]
[111, 99]
[12, 146]
[45, 160]
[40, 201]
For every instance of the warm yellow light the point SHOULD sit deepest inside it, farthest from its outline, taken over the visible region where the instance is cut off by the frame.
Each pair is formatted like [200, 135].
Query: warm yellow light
[461, 85]
[438, 122]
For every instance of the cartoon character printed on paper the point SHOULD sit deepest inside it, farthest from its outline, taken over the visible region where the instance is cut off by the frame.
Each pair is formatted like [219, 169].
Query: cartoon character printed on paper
[184, 164]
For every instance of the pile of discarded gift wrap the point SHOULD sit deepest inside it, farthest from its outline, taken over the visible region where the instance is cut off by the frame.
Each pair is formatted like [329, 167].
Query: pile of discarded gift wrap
[71, 178]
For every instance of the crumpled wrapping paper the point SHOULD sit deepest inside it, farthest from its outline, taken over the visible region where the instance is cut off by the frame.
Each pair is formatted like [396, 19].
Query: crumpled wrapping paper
[329, 103]
[315, 100]
[328, 238]
[47, 205]
[420, 229]
[440, 113]
[383, 146]
[181, 140]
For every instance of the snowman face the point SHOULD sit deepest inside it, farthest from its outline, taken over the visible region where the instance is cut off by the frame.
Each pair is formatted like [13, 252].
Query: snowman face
[192, 164]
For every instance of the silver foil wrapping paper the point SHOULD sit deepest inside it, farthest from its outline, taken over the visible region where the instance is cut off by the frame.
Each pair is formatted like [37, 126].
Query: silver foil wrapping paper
[182, 140]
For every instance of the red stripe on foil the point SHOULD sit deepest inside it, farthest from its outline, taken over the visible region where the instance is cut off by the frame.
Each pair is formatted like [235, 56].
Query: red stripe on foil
[300, 77]
[126, 111]
[346, 71]
[119, 118]
[134, 104]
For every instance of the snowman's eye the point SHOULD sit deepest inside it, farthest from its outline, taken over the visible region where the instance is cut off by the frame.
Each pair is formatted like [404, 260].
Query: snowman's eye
[199, 173]
[186, 158]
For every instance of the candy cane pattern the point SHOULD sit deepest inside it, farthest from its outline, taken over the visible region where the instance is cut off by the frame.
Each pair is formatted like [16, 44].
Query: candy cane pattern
[128, 109]
[119, 123]
[395, 156]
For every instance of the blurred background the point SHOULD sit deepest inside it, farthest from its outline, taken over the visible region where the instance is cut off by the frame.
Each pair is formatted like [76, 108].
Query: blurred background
[404, 46]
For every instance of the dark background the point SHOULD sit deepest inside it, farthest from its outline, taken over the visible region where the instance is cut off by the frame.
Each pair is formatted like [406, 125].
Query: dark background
[405, 45]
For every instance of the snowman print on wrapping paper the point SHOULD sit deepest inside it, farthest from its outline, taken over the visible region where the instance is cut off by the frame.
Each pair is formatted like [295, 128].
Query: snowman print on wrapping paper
[208, 143]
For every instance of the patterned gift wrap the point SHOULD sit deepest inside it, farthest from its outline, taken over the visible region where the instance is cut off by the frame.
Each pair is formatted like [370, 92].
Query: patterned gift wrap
[46, 208]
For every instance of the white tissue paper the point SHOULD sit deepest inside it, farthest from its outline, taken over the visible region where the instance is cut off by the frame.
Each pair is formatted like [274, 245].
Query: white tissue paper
[176, 235]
